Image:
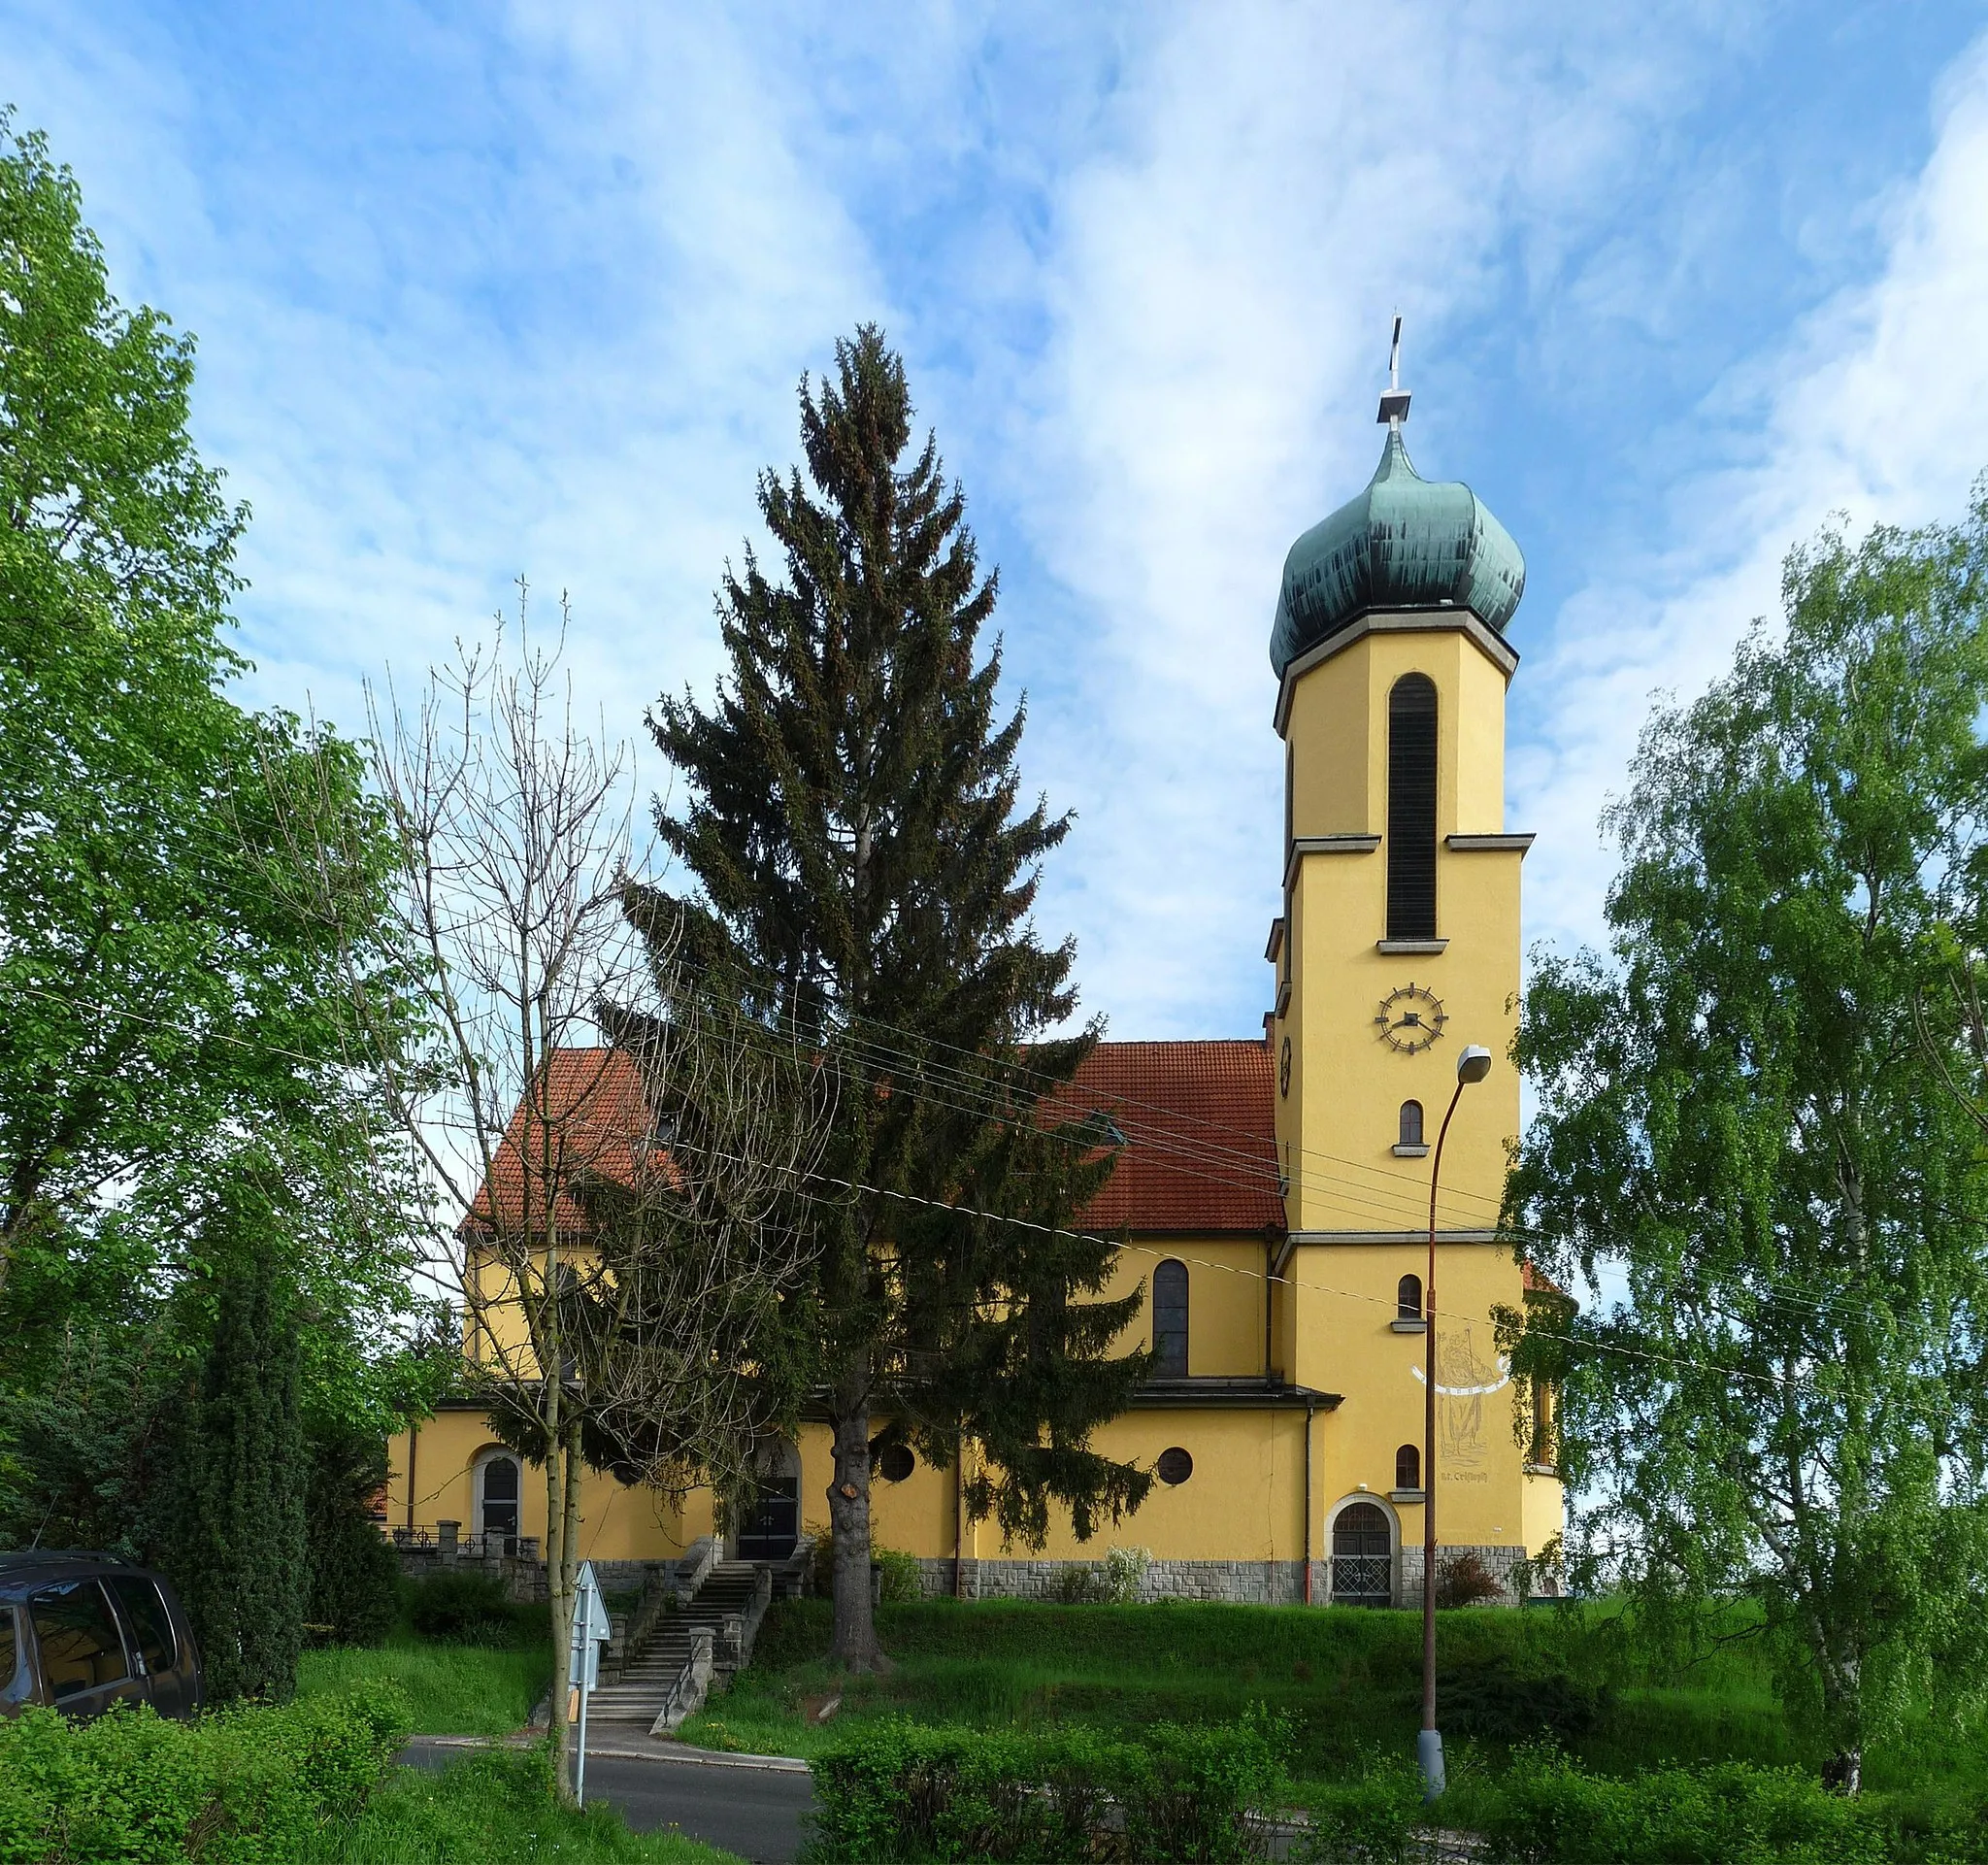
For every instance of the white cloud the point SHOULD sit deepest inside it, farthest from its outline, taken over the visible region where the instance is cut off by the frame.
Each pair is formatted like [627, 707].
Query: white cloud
[532, 294]
[1277, 181]
[1877, 407]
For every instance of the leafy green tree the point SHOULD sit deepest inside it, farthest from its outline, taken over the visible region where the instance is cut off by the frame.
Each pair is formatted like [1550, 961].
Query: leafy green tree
[864, 867]
[165, 993]
[167, 974]
[1749, 1109]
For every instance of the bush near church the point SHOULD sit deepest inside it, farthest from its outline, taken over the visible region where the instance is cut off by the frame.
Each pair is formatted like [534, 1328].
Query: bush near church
[247, 1785]
[905, 1792]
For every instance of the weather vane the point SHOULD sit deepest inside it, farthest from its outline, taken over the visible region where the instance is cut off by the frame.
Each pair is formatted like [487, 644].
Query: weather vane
[1394, 399]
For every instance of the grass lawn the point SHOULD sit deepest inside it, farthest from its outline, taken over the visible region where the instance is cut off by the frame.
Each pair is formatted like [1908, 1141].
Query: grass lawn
[491, 1807]
[456, 1689]
[1349, 1681]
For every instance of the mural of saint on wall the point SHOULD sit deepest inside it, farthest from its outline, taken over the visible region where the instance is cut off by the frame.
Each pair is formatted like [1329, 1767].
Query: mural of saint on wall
[1465, 1377]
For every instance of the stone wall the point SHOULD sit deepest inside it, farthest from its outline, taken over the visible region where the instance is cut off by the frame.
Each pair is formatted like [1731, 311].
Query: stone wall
[523, 1578]
[1239, 1583]
[1502, 1563]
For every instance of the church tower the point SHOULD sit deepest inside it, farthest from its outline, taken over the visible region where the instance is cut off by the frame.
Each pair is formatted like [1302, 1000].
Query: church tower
[1397, 947]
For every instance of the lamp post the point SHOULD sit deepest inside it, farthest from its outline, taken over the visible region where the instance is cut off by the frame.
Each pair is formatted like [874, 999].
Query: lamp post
[1472, 1065]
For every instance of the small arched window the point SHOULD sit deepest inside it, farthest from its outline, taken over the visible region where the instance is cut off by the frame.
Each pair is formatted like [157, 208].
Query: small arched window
[1407, 1468]
[1411, 808]
[1170, 1319]
[1411, 1124]
[497, 1513]
[1408, 1298]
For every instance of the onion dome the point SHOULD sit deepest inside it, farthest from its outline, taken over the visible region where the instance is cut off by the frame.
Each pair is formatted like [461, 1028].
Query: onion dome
[1404, 543]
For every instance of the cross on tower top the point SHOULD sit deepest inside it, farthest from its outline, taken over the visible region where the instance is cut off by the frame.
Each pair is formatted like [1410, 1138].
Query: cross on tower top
[1394, 399]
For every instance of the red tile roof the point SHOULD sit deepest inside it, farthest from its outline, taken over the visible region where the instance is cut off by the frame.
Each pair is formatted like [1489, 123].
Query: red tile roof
[1199, 1121]
[1200, 1152]
[591, 1099]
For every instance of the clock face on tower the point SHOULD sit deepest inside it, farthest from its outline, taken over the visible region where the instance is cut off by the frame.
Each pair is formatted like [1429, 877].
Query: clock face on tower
[1410, 1020]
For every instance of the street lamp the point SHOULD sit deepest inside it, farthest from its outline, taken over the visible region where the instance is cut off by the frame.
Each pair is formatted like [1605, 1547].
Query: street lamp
[1472, 1065]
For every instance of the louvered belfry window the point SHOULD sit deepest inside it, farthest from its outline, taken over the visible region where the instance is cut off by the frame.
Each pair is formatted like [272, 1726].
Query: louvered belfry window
[1411, 808]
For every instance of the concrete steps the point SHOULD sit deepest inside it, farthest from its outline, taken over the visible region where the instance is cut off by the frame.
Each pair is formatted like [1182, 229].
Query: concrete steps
[648, 1673]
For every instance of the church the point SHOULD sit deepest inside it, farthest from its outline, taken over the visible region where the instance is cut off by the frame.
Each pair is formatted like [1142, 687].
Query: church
[1275, 1191]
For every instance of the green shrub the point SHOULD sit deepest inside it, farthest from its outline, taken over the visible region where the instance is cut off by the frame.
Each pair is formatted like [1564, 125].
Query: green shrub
[1491, 1699]
[899, 1579]
[244, 1786]
[903, 1792]
[1370, 1819]
[354, 1575]
[1463, 1579]
[1549, 1810]
[462, 1608]
[1118, 1580]
[494, 1807]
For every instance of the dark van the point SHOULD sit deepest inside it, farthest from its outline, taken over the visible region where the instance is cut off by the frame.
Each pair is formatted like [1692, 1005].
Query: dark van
[80, 1632]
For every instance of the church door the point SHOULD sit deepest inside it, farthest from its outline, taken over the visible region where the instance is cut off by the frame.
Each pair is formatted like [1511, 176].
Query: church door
[1362, 1556]
[770, 1528]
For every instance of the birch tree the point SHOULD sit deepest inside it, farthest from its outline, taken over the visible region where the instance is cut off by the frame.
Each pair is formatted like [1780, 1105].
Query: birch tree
[1756, 1108]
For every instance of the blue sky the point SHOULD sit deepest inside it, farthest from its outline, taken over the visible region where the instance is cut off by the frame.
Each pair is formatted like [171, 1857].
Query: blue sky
[483, 290]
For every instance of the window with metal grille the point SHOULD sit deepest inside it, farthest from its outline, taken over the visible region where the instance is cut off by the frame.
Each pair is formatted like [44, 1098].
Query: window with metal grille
[1170, 1321]
[1407, 1468]
[1408, 1298]
[1411, 808]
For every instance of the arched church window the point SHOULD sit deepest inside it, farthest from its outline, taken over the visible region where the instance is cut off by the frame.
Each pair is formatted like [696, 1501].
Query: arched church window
[1170, 1319]
[499, 1480]
[1411, 808]
[1407, 1468]
[1408, 1298]
[1411, 1123]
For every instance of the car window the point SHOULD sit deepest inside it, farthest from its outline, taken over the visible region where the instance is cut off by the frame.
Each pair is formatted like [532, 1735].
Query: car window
[80, 1646]
[12, 1682]
[145, 1613]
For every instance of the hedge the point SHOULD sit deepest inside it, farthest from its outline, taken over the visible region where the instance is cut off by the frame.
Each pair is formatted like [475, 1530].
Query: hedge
[242, 1787]
[905, 1791]
[1545, 1810]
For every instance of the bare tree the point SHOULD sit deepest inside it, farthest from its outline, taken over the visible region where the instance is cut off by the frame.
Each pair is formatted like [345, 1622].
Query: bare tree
[616, 1215]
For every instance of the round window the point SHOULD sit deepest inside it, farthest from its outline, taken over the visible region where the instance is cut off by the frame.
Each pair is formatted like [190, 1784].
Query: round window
[1174, 1465]
[895, 1462]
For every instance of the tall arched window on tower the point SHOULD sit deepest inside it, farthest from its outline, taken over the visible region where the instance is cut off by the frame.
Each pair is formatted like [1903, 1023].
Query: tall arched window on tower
[1411, 1124]
[1411, 808]
[1407, 1299]
[1170, 1321]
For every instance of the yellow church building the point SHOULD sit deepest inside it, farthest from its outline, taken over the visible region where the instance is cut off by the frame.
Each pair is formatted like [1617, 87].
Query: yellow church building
[1275, 1191]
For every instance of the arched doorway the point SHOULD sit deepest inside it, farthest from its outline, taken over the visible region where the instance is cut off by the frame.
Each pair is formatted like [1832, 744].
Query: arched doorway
[1362, 1556]
[770, 1523]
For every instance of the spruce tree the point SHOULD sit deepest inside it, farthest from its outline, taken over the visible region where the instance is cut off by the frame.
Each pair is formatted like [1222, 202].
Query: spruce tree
[852, 821]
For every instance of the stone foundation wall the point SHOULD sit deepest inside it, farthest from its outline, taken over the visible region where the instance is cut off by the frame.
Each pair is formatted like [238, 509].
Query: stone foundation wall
[1502, 1563]
[523, 1579]
[1239, 1583]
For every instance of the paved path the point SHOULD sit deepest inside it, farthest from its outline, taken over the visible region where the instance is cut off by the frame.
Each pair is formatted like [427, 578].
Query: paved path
[749, 1804]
